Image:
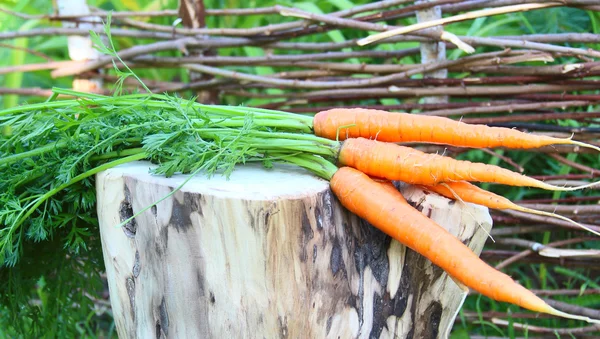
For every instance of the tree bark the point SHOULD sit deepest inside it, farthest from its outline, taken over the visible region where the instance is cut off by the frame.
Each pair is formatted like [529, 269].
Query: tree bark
[268, 253]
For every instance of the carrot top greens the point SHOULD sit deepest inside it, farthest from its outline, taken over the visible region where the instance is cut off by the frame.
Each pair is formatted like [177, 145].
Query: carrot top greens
[51, 151]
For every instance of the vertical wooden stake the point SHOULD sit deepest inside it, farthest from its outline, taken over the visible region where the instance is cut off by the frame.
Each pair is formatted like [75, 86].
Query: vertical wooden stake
[80, 47]
[193, 15]
[433, 51]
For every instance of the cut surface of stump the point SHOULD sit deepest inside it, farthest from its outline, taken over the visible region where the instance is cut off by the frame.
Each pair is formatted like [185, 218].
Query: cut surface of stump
[268, 253]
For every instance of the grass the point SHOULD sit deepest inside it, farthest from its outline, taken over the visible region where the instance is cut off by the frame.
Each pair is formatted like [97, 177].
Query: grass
[82, 322]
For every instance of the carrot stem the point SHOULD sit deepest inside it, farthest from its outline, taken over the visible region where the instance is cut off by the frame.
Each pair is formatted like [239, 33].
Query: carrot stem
[315, 164]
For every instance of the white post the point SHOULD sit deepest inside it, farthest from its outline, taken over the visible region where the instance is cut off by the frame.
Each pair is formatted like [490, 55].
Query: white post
[432, 51]
[80, 47]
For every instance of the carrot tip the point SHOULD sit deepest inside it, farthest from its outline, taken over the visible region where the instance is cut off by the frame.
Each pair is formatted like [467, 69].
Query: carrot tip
[554, 215]
[568, 189]
[553, 311]
[583, 144]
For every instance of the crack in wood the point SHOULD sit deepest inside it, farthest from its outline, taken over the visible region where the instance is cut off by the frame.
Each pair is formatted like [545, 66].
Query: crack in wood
[136, 265]
[162, 320]
[126, 212]
[130, 287]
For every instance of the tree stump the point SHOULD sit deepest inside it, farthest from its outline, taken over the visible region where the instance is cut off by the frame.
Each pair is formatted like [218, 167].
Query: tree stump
[268, 253]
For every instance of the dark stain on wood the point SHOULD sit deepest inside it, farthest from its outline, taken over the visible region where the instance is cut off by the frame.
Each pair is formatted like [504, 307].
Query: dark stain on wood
[401, 296]
[160, 247]
[327, 208]
[336, 261]
[434, 315]
[451, 202]
[162, 323]
[319, 217]
[413, 272]
[212, 298]
[267, 212]
[130, 287]
[266, 220]
[407, 289]
[307, 233]
[328, 326]
[180, 214]
[379, 319]
[283, 329]
[372, 251]
[417, 204]
[314, 253]
[384, 307]
[200, 281]
[158, 330]
[136, 265]
[154, 211]
[126, 212]
[164, 235]
[412, 203]
[195, 200]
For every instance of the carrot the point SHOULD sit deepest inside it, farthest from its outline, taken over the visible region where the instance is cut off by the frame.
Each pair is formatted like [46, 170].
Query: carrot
[395, 162]
[343, 123]
[468, 192]
[390, 212]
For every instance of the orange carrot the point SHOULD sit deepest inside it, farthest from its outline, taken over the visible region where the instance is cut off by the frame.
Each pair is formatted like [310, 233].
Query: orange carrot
[403, 127]
[388, 211]
[468, 192]
[395, 162]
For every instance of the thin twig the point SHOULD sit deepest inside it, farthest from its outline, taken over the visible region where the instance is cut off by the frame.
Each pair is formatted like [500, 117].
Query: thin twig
[168, 12]
[39, 32]
[507, 108]
[504, 158]
[332, 20]
[28, 50]
[261, 30]
[514, 230]
[457, 18]
[181, 44]
[565, 292]
[394, 92]
[505, 263]
[508, 43]
[537, 116]
[358, 83]
[549, 220]
[587, 263]
[574, 164]
[539, 329]
[595, 198]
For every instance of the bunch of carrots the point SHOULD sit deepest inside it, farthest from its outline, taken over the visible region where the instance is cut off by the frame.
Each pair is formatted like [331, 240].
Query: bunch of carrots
[370, 153]
[357, 150]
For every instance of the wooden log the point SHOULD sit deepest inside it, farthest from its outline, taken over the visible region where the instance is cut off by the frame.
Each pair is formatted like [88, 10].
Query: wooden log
[268, 253]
